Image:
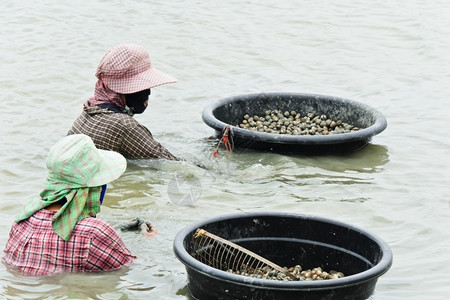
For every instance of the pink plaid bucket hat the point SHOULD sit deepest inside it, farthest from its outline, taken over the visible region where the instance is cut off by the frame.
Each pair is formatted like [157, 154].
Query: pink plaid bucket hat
[127, 69]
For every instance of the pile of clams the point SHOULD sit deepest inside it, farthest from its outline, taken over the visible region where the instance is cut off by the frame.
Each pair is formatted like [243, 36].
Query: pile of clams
[293, 123]
[297, 271]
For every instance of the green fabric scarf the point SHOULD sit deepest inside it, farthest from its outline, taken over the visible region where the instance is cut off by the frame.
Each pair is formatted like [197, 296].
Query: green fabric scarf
[82, 202]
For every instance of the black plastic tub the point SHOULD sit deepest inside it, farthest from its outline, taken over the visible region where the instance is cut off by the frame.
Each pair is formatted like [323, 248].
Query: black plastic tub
[230, 111]
[287, 240]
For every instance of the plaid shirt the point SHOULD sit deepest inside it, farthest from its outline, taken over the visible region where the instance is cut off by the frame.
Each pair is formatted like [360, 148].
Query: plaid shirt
[118, 132]
[36, 249]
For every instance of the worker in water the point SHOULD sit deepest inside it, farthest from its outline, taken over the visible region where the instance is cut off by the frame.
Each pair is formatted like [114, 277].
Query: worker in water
[125, 79]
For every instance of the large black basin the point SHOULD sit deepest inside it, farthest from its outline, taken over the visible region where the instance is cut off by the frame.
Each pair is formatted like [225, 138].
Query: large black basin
[230, 111]
[287, 240]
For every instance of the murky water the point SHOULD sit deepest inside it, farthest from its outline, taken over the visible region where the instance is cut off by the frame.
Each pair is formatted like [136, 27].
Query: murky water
[392, 56]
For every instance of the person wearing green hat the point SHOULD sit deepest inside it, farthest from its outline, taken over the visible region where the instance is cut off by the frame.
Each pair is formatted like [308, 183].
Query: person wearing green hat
[58, 231]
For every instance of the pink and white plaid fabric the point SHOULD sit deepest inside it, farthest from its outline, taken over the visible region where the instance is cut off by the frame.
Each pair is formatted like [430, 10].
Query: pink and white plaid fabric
[34, 247]
[103, 94]
[127, 69]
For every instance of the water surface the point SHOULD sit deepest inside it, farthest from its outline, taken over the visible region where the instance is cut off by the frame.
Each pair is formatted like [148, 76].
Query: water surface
[392, 56]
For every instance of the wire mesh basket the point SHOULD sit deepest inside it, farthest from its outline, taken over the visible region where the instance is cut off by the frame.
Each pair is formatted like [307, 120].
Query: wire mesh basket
[225, 255]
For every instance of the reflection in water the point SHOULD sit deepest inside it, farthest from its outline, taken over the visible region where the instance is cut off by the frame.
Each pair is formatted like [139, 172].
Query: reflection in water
[299, 178]
[185, 292]
[369, 159]
[331, 50]
[66, 285]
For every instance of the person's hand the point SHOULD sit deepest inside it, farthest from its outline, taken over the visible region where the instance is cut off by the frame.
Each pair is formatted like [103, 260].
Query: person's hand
[137, 224]
[148, 230]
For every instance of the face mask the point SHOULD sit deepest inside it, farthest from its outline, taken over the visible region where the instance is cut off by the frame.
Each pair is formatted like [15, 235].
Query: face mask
[137, 101]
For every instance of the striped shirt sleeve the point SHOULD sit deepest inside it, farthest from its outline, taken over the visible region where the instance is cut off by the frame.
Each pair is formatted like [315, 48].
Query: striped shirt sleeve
[138, 142]
[119, 132]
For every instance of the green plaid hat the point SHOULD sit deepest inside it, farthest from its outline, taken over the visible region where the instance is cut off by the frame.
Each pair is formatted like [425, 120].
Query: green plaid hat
[76, 172]
[77, 161]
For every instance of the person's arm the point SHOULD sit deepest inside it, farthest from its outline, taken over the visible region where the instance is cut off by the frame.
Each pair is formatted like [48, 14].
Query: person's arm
[138, 142]
[107, 250]
[145, 227]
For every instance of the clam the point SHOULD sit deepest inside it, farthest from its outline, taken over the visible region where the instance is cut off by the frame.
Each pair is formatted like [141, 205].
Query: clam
[293, 123]
[298, 272]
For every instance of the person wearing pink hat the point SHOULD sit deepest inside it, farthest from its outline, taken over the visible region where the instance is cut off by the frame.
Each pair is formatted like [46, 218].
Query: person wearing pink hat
[125, 78]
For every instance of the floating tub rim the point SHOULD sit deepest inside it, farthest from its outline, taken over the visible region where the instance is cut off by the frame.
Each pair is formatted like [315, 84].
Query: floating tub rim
[363, 134]
[356, 279]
